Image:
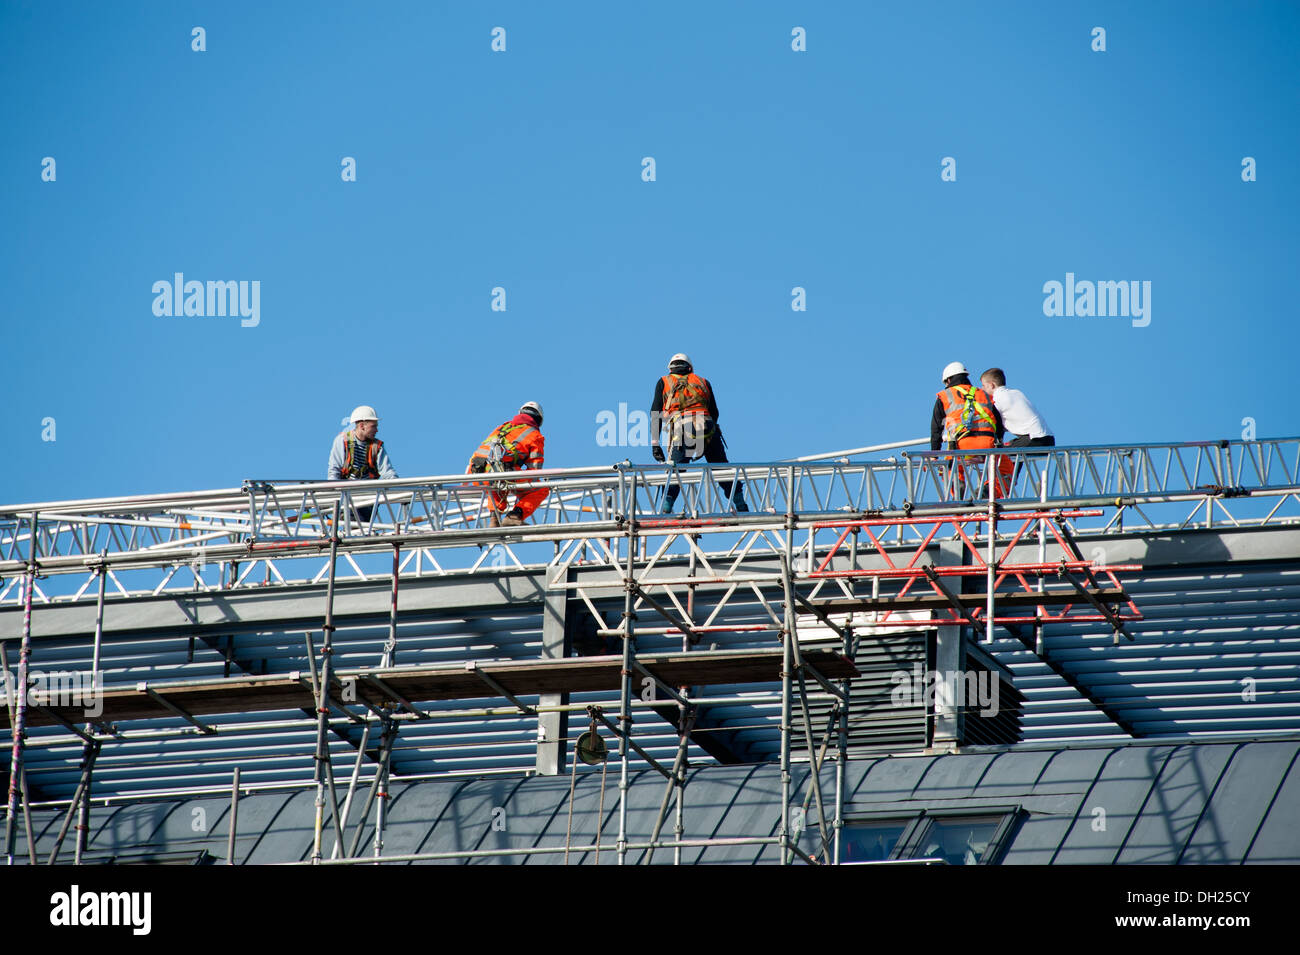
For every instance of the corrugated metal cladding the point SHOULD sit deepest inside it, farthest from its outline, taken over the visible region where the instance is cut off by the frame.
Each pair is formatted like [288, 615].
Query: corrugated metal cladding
[1218, 650]
[1130, 803]
[278, 746]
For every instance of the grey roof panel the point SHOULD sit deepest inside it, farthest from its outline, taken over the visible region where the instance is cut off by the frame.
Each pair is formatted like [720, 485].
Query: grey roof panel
[1175, 804]
[1280, 829]
[1240, 802]
[413, 810]
[952, 777]
[467, 824]
[1038, 838]
[287, 835]
[1070, 771]
[891, 779]
[1014, 773]
[1111, 805]
[750, 810]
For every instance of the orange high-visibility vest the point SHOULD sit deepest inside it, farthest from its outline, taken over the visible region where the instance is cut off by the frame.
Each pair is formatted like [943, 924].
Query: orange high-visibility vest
[967, 411]
[685, 394]
[523, 445]
[372, 453]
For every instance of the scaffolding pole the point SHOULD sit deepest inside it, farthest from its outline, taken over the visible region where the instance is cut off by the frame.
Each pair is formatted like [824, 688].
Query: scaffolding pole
[17, 773]
[83, 790]
[323, 699]
[625, 688]
[387, 738]
[83, 812]
[27, 806]
[846, 686]
[674, 785]
[381, 794]
[991, 470]
[391, 646]
[102, 572]
[796, 659]
[234, 818]
[787, 665]
[1042, 559]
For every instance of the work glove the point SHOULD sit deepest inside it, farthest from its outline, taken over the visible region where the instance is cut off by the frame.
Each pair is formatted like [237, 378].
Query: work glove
[658, 452]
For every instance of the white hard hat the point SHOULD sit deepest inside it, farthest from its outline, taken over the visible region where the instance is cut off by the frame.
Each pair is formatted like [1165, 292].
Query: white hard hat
[533, 408]
[953, 368]
[680, 356]
[364, 413]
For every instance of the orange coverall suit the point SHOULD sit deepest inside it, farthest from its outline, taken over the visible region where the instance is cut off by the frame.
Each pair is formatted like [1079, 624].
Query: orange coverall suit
[523, 449]
[970, 422]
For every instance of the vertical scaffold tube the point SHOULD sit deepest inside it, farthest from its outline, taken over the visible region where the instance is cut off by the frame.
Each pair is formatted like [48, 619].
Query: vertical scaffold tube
[234, 818]
[625, 694]
[83, 814]
[19, 725]
[322, 691]
[1042, 559]
[99, 627]
[392, 610]
[787, 667]
[991, 466]
[381, 795]
[842, 743]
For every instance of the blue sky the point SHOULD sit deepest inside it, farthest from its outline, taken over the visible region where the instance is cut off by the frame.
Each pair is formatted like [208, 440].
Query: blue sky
[522, 169]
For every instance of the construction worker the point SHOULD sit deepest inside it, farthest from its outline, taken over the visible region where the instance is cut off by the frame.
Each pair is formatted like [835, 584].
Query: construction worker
[964, 417]
[515, 445]
[1019, 416]
[684, 406]
[357, 455]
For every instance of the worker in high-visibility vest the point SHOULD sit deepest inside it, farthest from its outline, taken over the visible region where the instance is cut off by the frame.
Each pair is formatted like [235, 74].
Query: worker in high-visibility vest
[965, 417]
[515, 445]
[684, 408]
[357, 455]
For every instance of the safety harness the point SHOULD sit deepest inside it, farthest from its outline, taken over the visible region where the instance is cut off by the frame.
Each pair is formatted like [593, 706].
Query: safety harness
[370, 471]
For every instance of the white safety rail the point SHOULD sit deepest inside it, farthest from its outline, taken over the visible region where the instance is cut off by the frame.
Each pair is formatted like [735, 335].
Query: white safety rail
[272, 532]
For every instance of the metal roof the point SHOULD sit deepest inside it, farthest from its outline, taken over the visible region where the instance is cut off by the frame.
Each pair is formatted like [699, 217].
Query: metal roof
[1190, 802]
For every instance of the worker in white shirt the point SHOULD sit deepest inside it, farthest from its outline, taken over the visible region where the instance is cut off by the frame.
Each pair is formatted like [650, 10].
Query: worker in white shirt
[1019, 417]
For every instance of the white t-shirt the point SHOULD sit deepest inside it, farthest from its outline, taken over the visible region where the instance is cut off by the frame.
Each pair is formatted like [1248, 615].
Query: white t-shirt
[1018, 415]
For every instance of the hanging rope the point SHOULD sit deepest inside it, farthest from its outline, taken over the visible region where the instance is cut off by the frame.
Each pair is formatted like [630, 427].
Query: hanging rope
[588, 747]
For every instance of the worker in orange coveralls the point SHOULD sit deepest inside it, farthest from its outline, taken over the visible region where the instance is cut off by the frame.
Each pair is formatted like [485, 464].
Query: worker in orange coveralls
[965, 417]
[514, 446]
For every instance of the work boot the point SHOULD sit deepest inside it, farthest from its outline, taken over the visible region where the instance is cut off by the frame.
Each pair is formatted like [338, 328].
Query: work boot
[725, 487]
[513, 519]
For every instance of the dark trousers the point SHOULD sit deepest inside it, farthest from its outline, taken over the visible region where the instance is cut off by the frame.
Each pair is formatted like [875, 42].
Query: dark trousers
[1025, 441]
[715, 452]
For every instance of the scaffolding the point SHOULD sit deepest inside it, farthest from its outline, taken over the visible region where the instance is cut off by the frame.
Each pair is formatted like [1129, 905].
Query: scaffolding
[610, 518]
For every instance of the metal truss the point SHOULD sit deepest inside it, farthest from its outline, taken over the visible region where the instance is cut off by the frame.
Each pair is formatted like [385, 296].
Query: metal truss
[269, 532]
